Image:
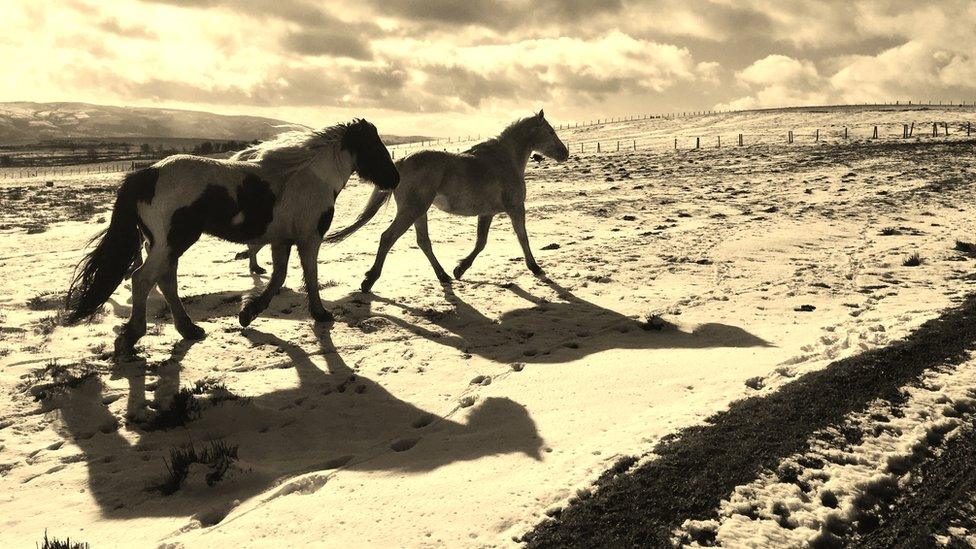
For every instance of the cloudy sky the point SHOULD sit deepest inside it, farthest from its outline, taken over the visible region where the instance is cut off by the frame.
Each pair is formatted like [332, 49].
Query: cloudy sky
[440, 67]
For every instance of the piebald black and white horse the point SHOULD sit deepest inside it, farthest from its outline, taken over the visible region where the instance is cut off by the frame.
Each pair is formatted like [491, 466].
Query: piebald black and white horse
[485, 180]
[283, 194]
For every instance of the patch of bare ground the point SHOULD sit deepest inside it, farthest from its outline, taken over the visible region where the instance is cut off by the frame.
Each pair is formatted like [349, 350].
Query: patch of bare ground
[689, 473]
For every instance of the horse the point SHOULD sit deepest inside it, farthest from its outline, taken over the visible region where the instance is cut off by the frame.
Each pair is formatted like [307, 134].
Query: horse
[283, 195]
[483, 181]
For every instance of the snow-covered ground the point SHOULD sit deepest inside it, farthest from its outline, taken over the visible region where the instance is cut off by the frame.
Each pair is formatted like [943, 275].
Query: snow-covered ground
[678, 282]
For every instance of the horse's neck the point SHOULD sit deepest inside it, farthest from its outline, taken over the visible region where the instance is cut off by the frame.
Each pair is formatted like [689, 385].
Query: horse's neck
[330, 171]
[518, 148]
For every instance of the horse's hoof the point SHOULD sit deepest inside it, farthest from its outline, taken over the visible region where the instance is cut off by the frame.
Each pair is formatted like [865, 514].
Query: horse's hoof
[443, 278]
[191, 331]
[246, 316]
[258, 270]
[124, 349]
[459, 270]
[367, 285]
[323, 315]
[536, 270]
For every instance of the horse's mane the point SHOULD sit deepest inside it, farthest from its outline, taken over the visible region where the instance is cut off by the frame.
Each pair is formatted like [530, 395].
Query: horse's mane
[290, 152]
[513, 128]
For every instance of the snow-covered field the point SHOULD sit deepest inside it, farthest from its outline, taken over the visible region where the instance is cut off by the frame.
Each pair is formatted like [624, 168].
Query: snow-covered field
[678, 283]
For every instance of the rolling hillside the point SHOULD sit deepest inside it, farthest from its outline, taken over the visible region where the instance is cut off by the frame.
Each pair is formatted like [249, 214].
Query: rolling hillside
[26, 122]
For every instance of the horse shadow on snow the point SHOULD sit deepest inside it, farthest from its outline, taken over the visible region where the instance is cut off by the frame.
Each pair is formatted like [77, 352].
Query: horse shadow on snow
[333, 419]
[548, 331]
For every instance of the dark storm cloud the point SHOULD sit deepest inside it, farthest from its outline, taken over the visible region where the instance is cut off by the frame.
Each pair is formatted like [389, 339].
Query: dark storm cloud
[319, 33]
[297, 11]
[329, 42]
[113, 26]
[499, 15]
[474, 87]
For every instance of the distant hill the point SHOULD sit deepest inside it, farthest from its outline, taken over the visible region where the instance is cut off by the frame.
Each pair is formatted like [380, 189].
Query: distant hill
[26, 122]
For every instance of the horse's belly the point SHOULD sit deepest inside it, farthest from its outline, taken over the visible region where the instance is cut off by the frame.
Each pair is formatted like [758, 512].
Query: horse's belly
[460, 206]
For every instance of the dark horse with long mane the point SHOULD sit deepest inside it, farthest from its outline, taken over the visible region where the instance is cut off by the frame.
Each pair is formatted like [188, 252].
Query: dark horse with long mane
[283, 194]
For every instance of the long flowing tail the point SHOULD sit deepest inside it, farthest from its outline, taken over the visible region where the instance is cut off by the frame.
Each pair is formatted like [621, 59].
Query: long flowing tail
[376, 200]
[102, 269]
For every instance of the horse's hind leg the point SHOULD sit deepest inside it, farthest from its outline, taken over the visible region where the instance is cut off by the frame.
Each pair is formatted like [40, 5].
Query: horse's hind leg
[168, 286]
[252, 259]
[423, 240]
[406, 214]
[137, 262]
[484, 223]
[143, 280]
[308, 253]
[279, 268]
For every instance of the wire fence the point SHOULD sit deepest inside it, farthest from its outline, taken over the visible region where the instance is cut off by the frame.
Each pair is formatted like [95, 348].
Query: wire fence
[54, 172]
[455, 143]
[676, 131]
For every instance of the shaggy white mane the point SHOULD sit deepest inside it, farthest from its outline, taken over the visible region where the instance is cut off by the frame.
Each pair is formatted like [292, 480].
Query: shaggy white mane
[290, 152]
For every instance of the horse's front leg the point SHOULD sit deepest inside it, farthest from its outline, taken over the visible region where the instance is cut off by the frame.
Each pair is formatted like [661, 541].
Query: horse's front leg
[279, 268]
[308, 253]
[517, 214]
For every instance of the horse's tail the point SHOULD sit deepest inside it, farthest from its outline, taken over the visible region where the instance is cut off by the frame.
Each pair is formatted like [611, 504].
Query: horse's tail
[376, 200]
[102, 269]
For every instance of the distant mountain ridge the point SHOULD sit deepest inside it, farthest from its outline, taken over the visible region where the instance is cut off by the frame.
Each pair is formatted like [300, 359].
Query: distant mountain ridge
[29, 122]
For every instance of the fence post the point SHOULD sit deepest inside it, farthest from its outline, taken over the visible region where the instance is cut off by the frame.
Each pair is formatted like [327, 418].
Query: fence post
[635, 144]
[597, 146]
[675, 143]
[789, 137]
[719, 142]
[740, 139]
[618, 145]
[875, 132]
[946, 124]
[845, 132]
[817, 135]
[698, 142]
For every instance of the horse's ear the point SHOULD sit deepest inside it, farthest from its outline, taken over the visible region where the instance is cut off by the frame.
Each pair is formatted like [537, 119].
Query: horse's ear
[541, 114]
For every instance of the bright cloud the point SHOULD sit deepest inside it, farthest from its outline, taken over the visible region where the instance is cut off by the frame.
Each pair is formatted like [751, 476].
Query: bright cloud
[447, 66]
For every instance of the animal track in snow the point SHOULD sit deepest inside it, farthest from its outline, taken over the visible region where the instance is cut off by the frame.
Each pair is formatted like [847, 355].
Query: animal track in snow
[404, 444]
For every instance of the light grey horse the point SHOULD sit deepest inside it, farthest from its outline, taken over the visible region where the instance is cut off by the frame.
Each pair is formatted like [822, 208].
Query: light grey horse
[283, 195]
[485, 180]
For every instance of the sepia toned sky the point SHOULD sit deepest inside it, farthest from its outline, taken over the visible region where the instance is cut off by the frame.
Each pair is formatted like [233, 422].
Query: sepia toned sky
[439, 67]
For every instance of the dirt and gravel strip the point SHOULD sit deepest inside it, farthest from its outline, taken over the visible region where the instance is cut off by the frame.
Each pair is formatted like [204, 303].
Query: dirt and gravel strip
[692, 472]
[941, 494]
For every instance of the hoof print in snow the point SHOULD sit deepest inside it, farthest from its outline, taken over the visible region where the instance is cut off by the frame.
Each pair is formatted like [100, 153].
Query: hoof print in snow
[404, 444]
[481, 380]
[423, 421]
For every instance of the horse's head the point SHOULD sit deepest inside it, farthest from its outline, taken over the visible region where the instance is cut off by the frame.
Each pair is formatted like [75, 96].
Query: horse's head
[370, 159]
[545, 140]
